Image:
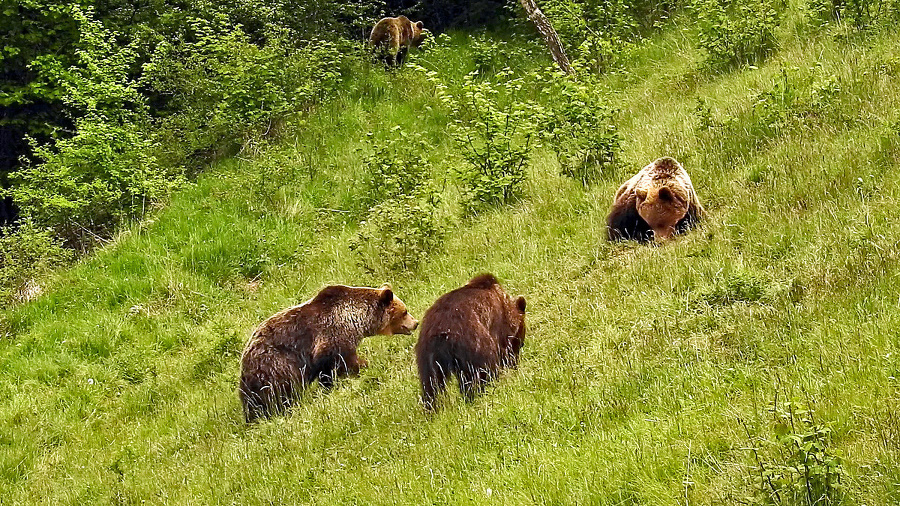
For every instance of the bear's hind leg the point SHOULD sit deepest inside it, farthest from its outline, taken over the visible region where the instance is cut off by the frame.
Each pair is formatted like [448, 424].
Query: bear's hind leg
[472, 381]
[433, 378]
[401, 55]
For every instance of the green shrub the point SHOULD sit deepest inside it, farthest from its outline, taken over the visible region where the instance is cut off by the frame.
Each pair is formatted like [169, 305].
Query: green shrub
[597, 34]
[400, 202]
[740, 286]
[773, 109]
[736, 32]
[581, 129]
[397, 235]
[222, 88]
[797, 465]
[860, 14]
[25, 254]
[495, 127]
[795, 99]
[488, 54]
[397, 166]
[86, 184]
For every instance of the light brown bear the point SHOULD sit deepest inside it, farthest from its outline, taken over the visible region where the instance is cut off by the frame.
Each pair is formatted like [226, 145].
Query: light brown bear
[472, 332]
[657, 203]
[316, 340]
[392, 37]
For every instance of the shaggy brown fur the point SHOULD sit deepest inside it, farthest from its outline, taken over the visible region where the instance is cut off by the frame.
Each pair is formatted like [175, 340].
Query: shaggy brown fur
[472, 332]
[316, 340]
[392, 37]
[657, 203]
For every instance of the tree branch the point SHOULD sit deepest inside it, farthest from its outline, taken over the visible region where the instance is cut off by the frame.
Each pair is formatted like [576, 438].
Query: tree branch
[550, 37]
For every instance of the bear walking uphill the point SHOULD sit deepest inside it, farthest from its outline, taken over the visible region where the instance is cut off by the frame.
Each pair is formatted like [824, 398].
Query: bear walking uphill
[657, 203]
[472, 332]
[391, 38]
[316, 340]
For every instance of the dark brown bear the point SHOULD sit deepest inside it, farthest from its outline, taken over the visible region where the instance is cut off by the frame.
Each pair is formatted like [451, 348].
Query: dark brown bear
[316, 340]
[655, 204]
[392, 37]
[472, 332]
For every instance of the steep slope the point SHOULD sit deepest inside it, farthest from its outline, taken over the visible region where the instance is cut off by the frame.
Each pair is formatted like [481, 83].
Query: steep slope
[658, 375]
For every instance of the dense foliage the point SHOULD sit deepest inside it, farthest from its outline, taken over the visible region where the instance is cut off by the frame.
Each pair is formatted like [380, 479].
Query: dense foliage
[112, 93]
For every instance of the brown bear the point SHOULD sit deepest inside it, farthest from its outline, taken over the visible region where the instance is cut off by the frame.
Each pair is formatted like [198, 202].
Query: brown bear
[472, 332]
[392, 37]
[316, 340]
[657, 203]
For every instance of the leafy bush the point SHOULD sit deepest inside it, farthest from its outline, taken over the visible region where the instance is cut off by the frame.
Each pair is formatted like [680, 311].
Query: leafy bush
[795, 99]
[401, 224]
[581, 129]
[860, 14]
[221, 87]
[496, 128]
[488, 54]
[85, 185]
[797, 466]
[736, 32]
[27, 253]
[598, 33]
[396, 167]
[740, 286]
[774, 108]
[105, 173]
[397, 235]
[129, 93]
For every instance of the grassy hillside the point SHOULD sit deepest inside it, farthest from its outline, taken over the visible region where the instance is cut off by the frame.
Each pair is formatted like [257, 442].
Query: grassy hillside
[753, 360]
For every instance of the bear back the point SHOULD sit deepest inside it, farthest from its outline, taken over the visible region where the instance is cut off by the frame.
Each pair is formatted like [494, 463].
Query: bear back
[472, 332]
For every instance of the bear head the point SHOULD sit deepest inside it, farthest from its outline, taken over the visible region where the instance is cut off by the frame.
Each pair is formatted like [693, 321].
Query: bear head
[662, 208]
[516, 318]
[397, 318]
[418, 33]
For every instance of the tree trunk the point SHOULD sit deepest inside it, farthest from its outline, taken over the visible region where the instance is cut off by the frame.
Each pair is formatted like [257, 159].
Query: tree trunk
[546, 29]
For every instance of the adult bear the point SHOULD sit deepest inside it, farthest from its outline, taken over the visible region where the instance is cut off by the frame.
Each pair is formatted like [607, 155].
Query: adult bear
[657, 203]
[316, 340]
[392, 37]
[472, 332]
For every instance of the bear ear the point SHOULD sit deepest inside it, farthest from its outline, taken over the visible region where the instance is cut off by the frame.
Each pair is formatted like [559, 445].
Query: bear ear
[386, 296]
[420, 25]
[385, 286]
[641, 195]
[520, 304]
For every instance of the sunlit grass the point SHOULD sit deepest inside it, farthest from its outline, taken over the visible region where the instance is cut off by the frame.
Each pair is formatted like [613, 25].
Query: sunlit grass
[647, 371]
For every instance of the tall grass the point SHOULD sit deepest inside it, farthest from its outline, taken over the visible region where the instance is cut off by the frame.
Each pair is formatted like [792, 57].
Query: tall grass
[648, 373]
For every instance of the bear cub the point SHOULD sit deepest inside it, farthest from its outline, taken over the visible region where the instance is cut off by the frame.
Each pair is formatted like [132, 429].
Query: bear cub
[392, 38]
[656, 203]
[316, 340]
[472, 332]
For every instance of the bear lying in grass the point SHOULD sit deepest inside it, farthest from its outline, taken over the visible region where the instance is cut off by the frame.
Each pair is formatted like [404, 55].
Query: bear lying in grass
[392, 38]
[316, 340]
[657, 203]
[472, 332]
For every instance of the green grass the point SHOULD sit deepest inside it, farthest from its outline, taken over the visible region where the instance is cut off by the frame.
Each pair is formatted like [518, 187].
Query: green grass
[648, 372]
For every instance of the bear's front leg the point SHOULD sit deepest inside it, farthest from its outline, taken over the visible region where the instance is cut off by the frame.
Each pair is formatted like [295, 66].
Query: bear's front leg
[354, 364]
